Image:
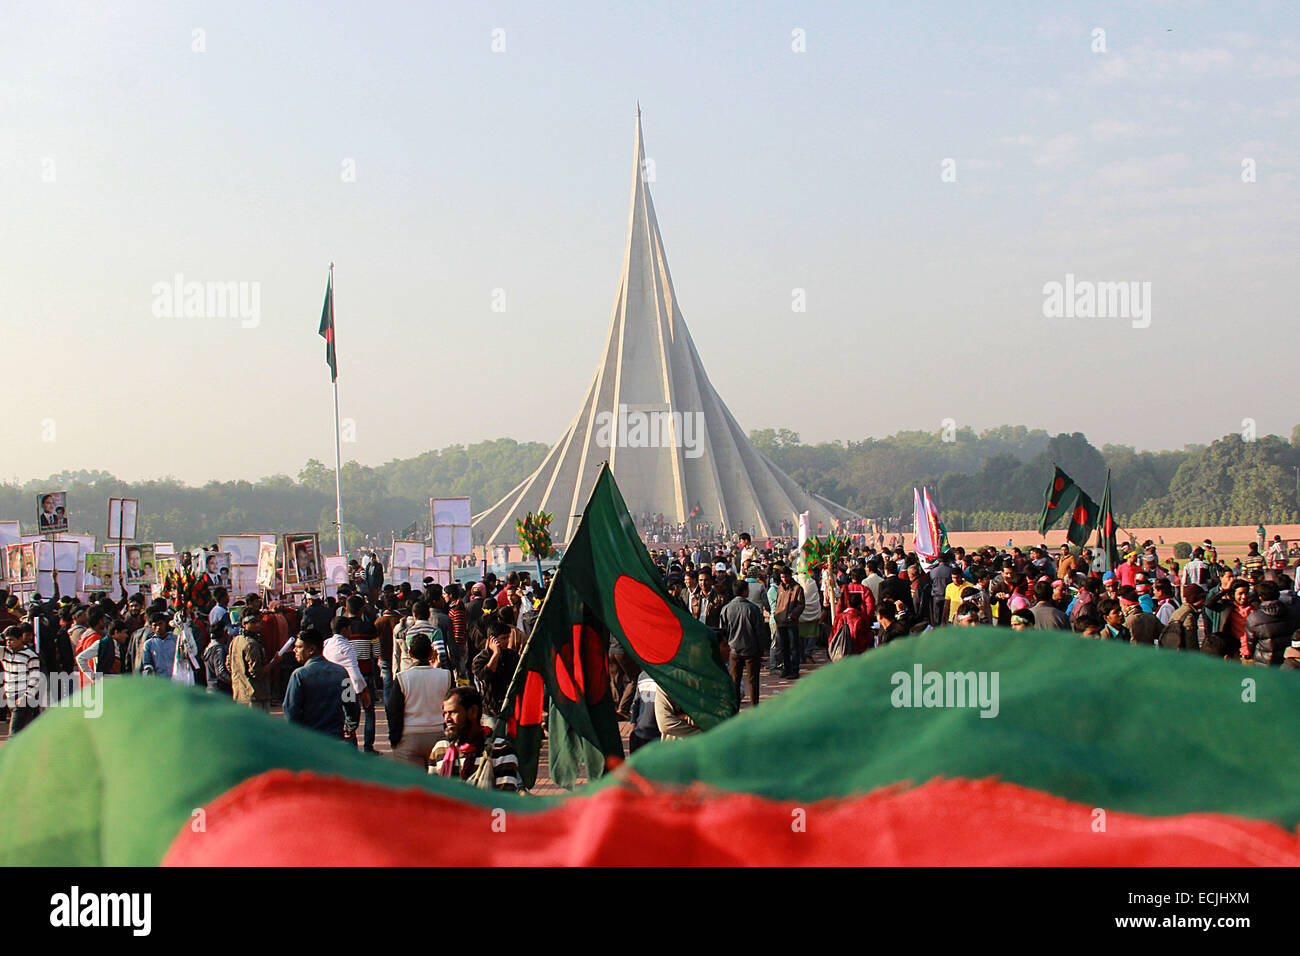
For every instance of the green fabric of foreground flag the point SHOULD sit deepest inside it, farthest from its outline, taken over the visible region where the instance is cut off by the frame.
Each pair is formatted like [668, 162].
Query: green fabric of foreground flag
[1058, 500]
[606, 587]
[1101, 723]
[1083, 518]
[327, 329]
[1106, 532]
[81, 788]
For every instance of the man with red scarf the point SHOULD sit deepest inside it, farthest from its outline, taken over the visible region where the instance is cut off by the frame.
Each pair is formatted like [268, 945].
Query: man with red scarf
[459, 754]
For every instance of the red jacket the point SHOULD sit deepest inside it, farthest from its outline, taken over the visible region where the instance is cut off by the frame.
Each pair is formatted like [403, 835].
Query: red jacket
[868, 602]
[860, 631]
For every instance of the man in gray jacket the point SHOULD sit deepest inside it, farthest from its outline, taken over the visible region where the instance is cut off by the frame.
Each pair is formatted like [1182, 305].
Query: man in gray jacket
[1047, 616]
[746, 631]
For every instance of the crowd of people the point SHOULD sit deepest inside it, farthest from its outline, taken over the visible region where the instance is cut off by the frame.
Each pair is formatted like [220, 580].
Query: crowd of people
[439, 660]
[1245, 609]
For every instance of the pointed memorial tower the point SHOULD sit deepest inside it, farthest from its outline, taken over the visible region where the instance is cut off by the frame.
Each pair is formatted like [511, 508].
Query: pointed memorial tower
[651, 412]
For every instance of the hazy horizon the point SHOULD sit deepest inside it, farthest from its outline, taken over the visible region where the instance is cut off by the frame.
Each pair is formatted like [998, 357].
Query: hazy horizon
[922, 174]
[24, 479]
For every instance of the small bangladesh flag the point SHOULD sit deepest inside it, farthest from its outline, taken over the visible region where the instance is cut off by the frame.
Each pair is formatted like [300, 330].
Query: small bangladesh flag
[409, 532]
[605, 590]
[1106, 532]
[1057, 500]
[1083, 518]
[327, 327]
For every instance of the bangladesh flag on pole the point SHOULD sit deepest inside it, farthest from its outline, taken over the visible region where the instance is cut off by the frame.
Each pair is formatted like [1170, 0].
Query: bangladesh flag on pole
[1083, 518]
[606, 588]
[327, 327]
[1057, 501]
[1106, 532]
[409, 531]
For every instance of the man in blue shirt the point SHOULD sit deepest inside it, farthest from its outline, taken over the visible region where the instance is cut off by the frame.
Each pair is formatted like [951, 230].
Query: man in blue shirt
[160, 650]
[314, 697]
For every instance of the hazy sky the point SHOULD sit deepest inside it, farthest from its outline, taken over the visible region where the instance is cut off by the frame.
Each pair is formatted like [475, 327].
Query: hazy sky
[218, 141]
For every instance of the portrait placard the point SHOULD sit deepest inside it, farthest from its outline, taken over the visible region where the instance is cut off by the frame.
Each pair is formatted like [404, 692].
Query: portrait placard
[97, 574]
[52, 512]
[242, 548]
[408, 554]
[22, 563]
[216, 565]
[140, 565]
[336, 573]
[302, 559]
[164, 564]
[266, 564]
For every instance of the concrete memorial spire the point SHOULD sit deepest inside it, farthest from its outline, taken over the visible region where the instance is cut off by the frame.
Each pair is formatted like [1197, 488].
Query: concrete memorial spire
[652, 413]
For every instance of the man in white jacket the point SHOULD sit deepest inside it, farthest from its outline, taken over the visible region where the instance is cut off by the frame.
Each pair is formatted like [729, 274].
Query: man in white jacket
[810, 621]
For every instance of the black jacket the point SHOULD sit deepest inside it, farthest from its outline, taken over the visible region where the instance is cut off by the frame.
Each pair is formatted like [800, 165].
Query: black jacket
[1268, 632]
[894, 588]
[494, 685]
[215, 657]
[56, 654]
[923, 606]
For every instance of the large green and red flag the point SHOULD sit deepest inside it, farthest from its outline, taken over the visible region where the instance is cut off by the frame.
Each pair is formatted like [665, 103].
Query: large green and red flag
[945, 750]
[327, 327]
[606, 589]
[1058, 500]
[1106, 532]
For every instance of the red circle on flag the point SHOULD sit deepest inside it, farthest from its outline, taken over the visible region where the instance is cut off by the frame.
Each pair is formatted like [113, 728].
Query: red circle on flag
[1058, 484]
[529, 705]
[1080, 514]
[564, 673]
[649, 624]
[591, 662]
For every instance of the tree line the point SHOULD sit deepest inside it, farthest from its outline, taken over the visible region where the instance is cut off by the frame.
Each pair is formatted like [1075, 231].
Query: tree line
[987, 481]
[994, 480]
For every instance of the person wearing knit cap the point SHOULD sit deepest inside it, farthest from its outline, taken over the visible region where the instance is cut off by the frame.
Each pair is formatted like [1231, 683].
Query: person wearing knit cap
[1144, 626]
[1188, 627]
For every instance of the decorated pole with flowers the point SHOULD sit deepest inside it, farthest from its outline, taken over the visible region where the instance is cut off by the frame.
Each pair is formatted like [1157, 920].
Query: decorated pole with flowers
[535, 538]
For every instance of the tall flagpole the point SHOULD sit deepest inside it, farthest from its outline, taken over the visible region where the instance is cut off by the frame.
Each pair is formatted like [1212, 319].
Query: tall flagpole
[338, 442]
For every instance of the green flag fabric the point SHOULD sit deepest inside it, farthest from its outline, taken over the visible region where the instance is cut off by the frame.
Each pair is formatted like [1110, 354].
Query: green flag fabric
[607, 589]
[1106, 532]
[1058, 500]
[1070, 735]
[1083, 518]
[327, 329]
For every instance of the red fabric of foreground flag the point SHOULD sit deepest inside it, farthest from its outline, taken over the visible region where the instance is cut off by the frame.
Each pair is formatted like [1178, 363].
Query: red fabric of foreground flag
[277, 818]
